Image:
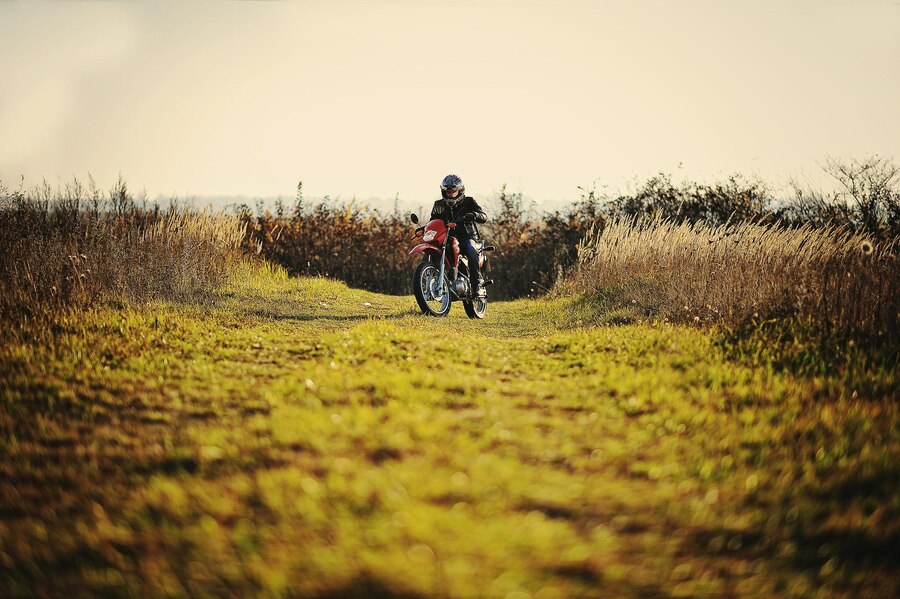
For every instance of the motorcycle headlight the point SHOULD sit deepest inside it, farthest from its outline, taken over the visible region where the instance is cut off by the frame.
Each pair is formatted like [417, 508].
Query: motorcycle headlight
[429, 235]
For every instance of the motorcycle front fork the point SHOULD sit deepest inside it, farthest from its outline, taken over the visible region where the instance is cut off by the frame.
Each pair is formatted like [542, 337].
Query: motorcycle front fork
[454, 271]
[442, 279]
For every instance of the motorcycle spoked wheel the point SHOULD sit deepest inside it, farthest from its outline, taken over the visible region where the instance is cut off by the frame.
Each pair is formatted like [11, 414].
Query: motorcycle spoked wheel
[432, 295]
[475, 308]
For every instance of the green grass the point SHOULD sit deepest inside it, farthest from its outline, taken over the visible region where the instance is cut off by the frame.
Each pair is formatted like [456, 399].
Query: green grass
[295, 437]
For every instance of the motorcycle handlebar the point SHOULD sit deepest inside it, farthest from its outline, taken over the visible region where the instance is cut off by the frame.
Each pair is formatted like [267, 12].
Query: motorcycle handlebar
[451, 224]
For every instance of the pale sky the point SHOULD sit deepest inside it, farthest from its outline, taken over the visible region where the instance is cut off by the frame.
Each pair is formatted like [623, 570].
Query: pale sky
[373, 98]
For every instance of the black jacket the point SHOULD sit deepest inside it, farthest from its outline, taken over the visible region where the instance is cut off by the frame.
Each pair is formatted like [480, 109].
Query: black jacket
[455, 213]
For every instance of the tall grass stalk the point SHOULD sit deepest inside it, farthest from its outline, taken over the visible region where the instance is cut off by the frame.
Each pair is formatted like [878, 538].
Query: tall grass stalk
[71, 247]
[736, 274]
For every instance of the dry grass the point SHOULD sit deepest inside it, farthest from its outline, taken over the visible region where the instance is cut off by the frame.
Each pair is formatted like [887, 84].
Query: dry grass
[69, 247]
[834, 279]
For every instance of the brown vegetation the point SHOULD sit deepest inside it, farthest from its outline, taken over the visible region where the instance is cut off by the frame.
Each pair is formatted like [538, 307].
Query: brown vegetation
[865, 198]
[839, 281]
[368, 249]
[74, 245]
[727, 250]
[362, 247]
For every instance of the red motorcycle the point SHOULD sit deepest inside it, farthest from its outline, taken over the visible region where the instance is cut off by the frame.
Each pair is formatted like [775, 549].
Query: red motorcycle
[443, 275]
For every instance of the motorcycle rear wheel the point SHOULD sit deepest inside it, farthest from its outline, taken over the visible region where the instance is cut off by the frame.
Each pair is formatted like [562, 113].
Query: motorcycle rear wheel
[433, 296]
[475, 308]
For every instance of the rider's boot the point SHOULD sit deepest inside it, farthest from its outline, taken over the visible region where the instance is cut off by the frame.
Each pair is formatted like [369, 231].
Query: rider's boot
[480, 290]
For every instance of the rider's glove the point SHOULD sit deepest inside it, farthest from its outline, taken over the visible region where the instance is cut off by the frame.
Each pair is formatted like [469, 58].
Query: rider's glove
[470, 217]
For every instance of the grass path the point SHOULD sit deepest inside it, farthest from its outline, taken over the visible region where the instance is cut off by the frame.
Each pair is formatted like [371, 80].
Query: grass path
[294, 437]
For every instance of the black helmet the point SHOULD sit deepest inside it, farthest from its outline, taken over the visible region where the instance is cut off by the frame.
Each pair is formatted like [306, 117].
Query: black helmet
[450, 184]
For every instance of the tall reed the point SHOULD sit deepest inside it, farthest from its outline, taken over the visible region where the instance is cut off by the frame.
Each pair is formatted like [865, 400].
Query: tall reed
[75, 245]
[737, 274]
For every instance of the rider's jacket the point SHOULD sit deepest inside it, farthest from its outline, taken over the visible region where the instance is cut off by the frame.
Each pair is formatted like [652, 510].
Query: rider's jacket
[442, 209]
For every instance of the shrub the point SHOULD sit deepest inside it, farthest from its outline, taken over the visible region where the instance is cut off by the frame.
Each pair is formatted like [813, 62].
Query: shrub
[866, 198]
[362, 247]
[534, 249]
[734, 200]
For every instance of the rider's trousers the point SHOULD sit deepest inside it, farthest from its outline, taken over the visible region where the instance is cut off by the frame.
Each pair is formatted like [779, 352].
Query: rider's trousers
[468, 247]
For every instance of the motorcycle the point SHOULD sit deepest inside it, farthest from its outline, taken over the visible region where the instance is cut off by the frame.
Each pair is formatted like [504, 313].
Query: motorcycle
[443, 275]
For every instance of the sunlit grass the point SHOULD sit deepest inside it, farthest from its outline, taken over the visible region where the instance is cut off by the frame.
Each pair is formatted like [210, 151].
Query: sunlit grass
[296, 437]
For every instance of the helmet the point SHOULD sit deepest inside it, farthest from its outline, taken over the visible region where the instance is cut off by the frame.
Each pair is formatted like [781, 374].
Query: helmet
[450, 184]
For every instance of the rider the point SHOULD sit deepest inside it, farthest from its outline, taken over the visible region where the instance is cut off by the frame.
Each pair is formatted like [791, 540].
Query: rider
[457, 207]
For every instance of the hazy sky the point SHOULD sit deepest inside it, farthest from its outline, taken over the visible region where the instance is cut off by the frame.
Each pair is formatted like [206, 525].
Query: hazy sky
[379, 97]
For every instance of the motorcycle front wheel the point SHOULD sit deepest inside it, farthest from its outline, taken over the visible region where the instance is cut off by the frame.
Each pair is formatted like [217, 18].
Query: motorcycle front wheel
[432, 294]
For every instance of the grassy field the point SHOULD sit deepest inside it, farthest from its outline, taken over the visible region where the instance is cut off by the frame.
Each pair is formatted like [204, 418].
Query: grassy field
[295, 437]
